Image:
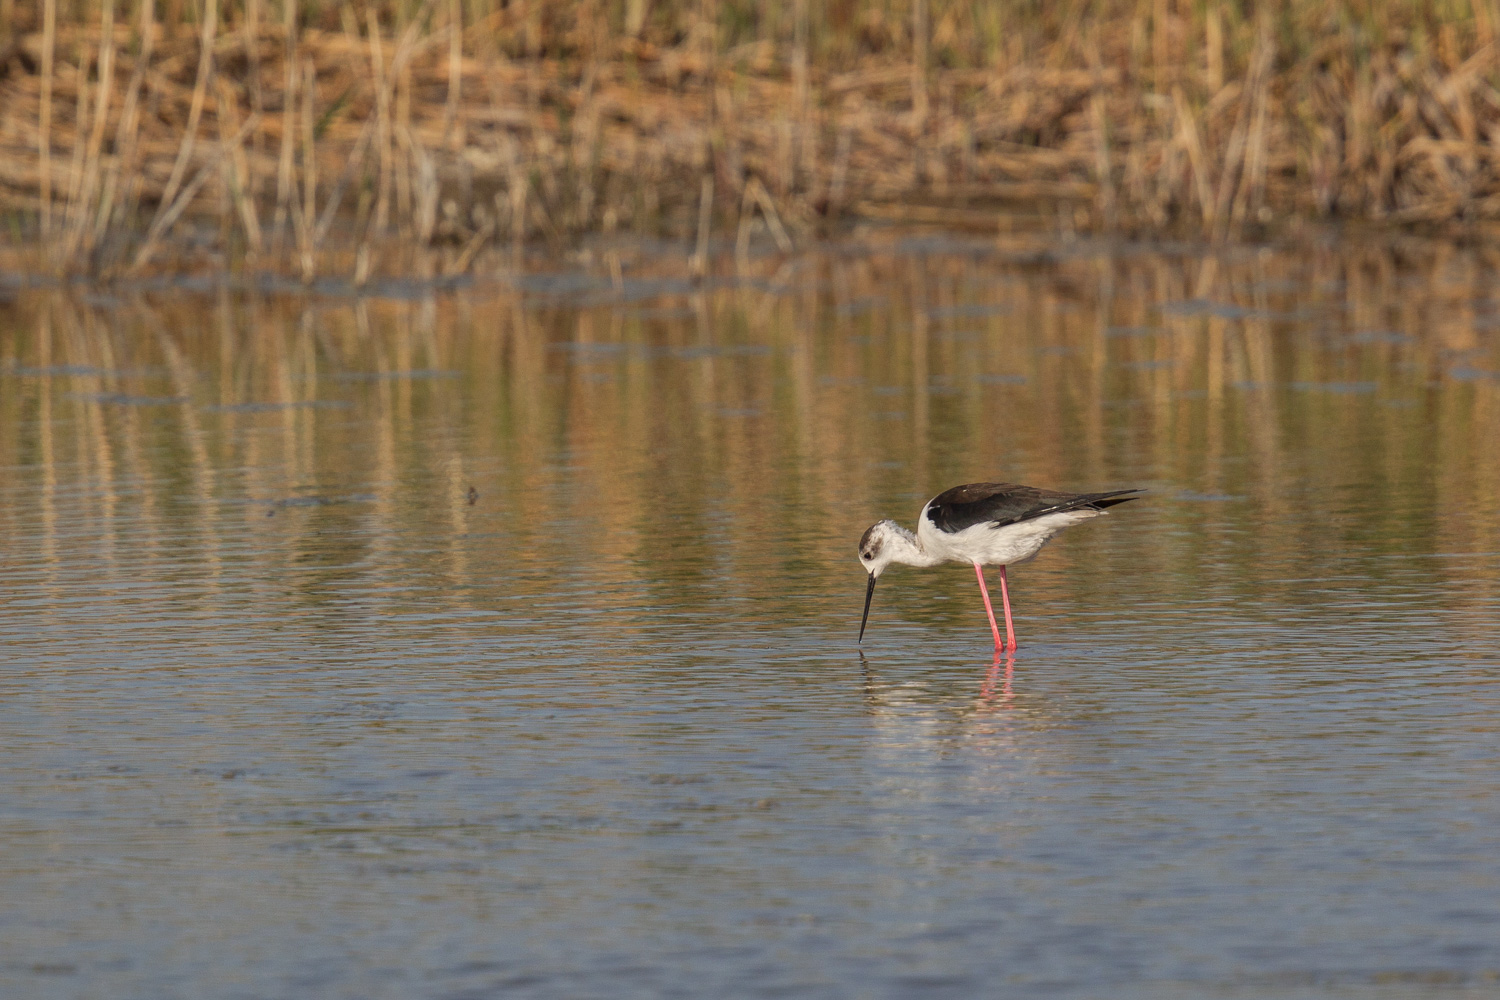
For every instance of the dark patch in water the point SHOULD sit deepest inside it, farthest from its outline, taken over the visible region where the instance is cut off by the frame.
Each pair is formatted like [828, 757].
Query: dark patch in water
[967, 311]
[415, 373]
[1468, 373]
[1228, 310]
[48, 371]
[124, 399]
[314, 500]
[273, 407]
[1193, 496]
[1344, 388]
[1380, 337]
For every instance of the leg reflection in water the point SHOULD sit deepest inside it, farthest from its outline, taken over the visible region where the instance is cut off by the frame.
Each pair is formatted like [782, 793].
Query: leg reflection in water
[996, 692]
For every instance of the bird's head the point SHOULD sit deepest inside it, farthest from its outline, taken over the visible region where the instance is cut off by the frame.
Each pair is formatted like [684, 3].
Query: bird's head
[877, 550]
[877, 547]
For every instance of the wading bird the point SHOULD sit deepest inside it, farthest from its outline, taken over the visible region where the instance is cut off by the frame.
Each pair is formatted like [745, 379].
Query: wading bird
[986, 524]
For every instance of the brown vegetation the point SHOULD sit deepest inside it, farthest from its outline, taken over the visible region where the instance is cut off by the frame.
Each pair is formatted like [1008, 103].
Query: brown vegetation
[394, 136]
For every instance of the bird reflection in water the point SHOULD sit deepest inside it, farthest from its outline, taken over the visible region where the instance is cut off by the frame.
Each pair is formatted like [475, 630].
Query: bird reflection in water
[996, 692]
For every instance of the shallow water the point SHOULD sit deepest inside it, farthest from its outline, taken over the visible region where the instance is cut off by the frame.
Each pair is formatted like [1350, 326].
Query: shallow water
[488, 644]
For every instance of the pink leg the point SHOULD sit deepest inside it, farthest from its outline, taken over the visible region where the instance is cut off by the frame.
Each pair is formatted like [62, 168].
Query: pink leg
[988, 608]
[1010, 632]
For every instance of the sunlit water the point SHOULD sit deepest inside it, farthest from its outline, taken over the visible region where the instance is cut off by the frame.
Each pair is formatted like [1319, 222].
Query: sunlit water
[502, 644]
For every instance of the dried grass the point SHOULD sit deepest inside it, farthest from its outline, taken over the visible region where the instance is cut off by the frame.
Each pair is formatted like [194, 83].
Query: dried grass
[450, 125]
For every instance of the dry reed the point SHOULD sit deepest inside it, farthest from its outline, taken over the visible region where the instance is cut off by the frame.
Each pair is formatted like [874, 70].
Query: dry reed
[454, 125]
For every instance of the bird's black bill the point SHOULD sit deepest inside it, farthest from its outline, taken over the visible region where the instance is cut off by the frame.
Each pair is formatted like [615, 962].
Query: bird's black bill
[868, 594]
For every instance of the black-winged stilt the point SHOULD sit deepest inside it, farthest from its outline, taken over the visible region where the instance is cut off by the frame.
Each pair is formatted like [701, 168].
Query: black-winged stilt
[985, 524]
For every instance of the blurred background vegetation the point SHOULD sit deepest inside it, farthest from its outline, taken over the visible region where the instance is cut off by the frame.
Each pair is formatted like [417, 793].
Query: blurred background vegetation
[348, 137]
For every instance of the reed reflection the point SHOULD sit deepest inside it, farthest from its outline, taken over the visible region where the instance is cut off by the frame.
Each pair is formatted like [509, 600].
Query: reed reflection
[768, 426]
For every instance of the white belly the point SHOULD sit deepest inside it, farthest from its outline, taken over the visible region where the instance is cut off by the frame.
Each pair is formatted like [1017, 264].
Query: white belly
[990, 546]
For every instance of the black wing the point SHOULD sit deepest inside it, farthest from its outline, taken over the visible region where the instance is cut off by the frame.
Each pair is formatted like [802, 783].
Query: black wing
[1000, 504]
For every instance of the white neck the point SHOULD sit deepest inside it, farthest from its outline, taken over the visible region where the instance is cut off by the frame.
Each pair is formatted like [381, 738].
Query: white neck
[907, 549]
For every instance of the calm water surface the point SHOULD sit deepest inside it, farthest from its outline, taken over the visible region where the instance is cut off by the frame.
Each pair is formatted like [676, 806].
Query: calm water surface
[502, 643]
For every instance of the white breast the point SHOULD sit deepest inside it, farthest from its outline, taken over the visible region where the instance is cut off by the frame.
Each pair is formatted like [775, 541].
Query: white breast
[990, 546]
